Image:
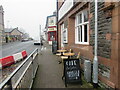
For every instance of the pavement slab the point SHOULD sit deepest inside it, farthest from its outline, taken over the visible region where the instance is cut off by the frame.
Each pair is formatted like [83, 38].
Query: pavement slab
[49, 74]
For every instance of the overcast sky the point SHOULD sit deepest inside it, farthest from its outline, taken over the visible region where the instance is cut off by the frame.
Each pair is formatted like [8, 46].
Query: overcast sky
[27, 14]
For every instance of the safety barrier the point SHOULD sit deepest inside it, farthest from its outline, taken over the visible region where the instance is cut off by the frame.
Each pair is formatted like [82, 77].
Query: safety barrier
[6, 61]
[24, 54]
[23, 75]
[9, 60]
[17, 57]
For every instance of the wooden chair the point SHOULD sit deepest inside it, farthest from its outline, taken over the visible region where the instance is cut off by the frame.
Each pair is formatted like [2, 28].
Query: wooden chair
[78, 56]
[70, 51]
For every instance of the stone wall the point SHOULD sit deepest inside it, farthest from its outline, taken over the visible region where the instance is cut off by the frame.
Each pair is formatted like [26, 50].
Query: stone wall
[104, 29]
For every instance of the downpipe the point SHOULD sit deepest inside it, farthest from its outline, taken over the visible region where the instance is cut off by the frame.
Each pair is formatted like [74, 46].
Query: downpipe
[95, 72]
[95, 61]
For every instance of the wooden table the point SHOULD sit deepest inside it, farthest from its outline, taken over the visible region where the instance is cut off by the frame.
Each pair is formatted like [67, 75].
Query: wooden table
[69, 54]
[61, 51]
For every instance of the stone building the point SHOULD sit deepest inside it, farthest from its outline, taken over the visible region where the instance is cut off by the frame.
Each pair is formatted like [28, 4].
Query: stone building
[76, 31]
[1, 25]
[13, 34]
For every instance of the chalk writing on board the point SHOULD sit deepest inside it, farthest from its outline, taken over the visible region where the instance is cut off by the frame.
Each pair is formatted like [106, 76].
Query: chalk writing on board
[72, 71]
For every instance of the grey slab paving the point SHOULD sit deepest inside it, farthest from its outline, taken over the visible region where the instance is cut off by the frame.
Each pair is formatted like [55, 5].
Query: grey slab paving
[49, 74]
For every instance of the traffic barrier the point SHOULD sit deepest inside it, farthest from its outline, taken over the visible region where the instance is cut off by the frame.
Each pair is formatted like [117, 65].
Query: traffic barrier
[9, 60]
[24, 54]
[6, 61]
[17, 57]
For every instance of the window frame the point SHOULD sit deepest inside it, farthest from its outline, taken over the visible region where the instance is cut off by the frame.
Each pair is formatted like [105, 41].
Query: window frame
[78, 26]
[66, 34]
[63, 30]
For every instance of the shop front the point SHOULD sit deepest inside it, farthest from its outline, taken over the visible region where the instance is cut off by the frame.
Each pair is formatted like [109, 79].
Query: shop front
[52, 35]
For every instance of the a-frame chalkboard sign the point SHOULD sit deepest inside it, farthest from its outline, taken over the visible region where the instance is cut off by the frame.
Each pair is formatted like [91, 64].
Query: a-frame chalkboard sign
[72, 72]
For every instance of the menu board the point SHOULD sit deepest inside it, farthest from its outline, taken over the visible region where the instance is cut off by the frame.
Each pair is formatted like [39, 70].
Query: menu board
[72, 71]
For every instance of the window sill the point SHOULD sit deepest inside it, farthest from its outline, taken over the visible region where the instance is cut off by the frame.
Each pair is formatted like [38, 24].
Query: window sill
[65, 42]
[82, 43]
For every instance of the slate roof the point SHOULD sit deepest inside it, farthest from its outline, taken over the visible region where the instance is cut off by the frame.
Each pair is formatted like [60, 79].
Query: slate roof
[7, 30]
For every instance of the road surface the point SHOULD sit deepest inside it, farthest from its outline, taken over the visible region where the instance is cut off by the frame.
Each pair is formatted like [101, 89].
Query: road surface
[14, 47]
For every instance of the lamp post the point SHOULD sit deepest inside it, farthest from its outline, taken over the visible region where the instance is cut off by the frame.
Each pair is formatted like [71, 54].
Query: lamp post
[40, 40]
[95, 61]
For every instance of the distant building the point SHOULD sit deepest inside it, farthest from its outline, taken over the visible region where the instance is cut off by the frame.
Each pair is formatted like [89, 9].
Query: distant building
[44, 34]
[1, 25]
[51, 28]
[13, 34]
[25, 36]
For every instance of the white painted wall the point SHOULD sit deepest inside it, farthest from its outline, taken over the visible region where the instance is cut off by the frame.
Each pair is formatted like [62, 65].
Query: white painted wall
[68, 4]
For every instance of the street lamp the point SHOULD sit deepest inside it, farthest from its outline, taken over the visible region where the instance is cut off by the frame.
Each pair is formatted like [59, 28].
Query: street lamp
[40, 41]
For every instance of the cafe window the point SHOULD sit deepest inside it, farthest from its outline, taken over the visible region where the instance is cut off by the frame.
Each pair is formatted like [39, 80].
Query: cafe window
[64, 34]
[82, 28]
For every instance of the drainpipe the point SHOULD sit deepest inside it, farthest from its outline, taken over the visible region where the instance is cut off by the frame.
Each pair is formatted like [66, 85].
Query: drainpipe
[95, 61]
[57, 25]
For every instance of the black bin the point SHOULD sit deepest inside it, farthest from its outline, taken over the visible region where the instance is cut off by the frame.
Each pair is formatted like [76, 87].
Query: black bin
[54, 47]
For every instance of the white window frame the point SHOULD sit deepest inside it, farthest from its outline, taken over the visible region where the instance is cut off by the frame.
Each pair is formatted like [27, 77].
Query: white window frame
[66, 33]
[62, 26]
[76, 29]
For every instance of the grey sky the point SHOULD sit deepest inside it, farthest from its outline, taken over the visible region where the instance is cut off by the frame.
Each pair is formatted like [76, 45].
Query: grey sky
[27, 14]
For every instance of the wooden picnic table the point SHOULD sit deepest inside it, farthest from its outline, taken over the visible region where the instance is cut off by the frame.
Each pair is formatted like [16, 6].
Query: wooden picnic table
[68, 54]
[61, 51]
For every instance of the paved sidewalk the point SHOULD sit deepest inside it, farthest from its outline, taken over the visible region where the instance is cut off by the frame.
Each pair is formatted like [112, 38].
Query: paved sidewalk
[49, 74]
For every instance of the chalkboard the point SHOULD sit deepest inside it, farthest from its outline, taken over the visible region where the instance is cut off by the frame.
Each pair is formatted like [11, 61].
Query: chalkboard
[72, 71]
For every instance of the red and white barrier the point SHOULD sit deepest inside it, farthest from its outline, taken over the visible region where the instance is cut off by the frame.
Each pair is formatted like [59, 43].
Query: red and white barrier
[24, 54]
[9, 60]
[17, 57]
[6, 61]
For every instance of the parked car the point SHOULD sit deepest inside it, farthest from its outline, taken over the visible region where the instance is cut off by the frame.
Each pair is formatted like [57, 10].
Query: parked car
[24, 40]
[37, 42]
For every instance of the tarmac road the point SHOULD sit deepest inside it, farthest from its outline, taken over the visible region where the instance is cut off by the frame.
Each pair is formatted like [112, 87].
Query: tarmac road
[14, 47]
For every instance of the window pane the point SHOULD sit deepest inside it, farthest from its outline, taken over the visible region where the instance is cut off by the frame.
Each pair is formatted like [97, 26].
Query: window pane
[85, 33]
[81, 32]
[79, 18]
[85, 16]
[78, 34]
[64, 35]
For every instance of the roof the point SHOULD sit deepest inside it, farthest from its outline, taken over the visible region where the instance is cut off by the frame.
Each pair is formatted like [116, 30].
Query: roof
[7, 30]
